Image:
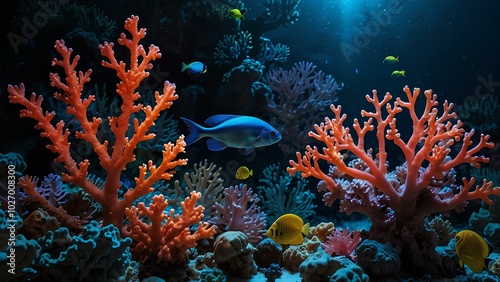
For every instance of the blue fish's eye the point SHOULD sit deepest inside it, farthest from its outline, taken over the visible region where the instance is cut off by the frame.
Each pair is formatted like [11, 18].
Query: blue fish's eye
[272, 133]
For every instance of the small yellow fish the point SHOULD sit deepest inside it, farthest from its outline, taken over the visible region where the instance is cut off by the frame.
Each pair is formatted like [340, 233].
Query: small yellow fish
[397, 73]
[471, 249]
[243, 173]
[237, 14]
[391, 59]
[288, 229]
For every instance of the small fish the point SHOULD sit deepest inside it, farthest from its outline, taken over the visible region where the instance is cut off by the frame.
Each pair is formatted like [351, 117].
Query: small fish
[288, 229]
[234, 131]
[237, 14]
[397, 73]
[471, 249]
[195, 67]
[391, 59]
[243, 173]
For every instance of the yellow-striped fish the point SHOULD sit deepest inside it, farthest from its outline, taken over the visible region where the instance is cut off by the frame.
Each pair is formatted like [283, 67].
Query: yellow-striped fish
[288, 229]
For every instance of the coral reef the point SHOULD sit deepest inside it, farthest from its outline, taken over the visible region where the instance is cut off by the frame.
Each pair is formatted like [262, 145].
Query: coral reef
[398, 202]
[234, 254]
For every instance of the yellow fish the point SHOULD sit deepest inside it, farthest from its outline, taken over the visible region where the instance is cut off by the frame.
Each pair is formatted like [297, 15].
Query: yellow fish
[397, 73]
[471, 249]
[237, 14]
[288, 229]
[243, 173]
[391, 59]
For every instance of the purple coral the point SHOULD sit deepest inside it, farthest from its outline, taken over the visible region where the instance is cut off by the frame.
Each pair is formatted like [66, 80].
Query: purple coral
[239, 212]
[300, 95]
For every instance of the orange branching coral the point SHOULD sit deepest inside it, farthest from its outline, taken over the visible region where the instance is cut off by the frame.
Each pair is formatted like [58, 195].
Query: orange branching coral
[167, 236]
[397, 202]
[427, 154]
[123, 148]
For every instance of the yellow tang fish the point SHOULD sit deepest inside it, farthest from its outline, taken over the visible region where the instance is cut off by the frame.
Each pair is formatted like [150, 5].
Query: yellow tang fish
[397, 73]
[288, 229]
[471, 249]
[237, 14]
[391, 59]
[243, 173]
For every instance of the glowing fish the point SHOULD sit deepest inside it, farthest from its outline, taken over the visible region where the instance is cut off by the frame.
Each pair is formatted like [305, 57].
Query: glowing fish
[237, 14]
[234, 131]
[471, 249]
[243, 173]
[195, 67]
[391, 59]
[397, 73]
[288, 229]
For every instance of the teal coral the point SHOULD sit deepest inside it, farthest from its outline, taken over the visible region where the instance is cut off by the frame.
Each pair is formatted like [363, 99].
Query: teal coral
[12, 159]
[97, 255]
[317, 267]
[349, 272]
[281, 194]
[233, 48]
[379, 260]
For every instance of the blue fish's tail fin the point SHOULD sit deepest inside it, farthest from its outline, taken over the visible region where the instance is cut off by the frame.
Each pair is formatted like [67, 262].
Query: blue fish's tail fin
[194, 131]
[184, 67]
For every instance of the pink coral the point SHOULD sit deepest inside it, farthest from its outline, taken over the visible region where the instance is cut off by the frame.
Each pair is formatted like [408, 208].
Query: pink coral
[342, 242]
[239, 212]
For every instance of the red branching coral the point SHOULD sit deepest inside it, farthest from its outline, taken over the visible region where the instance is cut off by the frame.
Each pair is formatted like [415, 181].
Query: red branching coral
[167, 236]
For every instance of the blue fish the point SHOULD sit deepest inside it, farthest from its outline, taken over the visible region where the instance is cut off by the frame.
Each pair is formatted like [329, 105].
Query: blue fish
[195, 67]
[234, 131]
